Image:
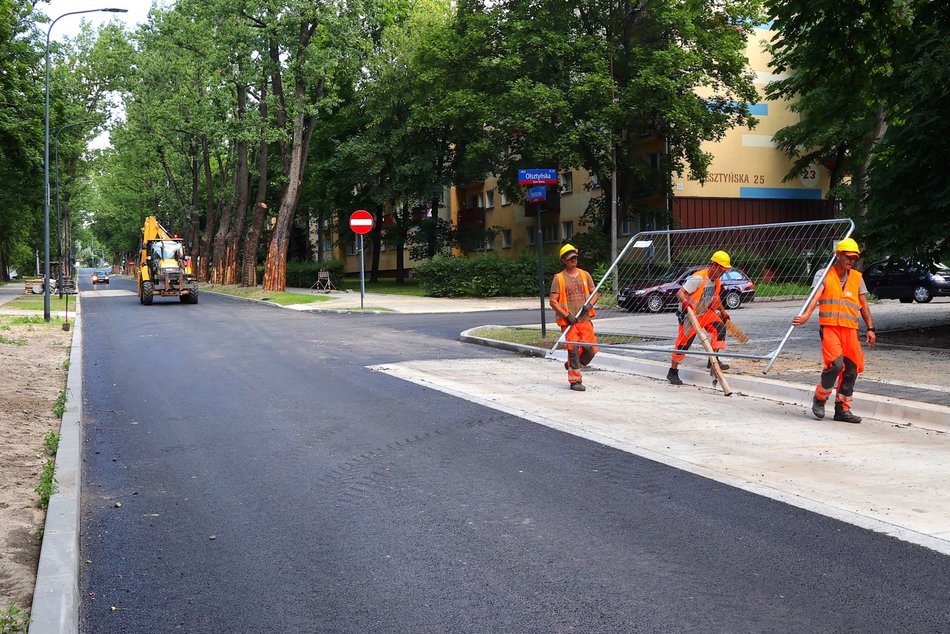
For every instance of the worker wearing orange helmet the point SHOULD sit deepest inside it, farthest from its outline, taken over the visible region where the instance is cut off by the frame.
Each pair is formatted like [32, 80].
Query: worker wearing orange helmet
[701, 292]
[840, 299]
[572, 299]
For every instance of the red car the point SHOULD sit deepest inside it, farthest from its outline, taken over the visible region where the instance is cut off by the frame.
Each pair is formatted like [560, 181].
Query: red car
[660, 294]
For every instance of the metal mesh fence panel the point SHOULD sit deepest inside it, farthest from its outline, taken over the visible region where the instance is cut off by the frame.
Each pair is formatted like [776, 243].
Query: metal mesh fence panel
[771, 281]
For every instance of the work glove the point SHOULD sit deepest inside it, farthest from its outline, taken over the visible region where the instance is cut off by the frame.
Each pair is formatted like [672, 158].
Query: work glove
[571, 319]
[584, 310]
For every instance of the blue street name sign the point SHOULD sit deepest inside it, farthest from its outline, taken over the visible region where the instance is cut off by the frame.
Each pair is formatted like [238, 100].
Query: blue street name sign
[536, 194]
[537, 177]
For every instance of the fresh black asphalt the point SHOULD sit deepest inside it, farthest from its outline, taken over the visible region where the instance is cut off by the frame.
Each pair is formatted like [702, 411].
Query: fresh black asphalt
[243, 471]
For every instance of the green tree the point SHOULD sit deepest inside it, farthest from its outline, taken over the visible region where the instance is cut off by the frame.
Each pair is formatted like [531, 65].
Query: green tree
[909, 198]
[602, 84]
[21, 136]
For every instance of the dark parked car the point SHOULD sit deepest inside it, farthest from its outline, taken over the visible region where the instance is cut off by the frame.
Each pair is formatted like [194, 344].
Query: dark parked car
[906, 280]
[657, 295]
[100, 277]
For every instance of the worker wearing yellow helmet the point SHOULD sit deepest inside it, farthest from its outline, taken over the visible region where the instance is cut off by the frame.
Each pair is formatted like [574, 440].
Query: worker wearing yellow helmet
[840, 298]
[572, 298]
[701, 292]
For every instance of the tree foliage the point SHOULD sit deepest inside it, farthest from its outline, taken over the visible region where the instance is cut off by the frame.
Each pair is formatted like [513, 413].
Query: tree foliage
[868, 79]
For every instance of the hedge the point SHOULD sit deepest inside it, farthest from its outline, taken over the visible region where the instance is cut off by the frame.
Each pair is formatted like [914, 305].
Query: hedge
[483, 275]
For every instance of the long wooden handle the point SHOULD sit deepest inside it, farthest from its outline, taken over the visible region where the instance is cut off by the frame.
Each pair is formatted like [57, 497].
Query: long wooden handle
[717, 371]
[736, 332]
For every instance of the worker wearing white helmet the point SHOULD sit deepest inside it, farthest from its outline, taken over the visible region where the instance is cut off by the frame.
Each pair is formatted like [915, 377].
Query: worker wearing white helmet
[572, 299]
[840, 300]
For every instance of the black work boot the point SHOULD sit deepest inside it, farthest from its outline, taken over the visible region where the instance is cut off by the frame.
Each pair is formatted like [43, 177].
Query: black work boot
[722, 366]
[578, 387]
[845, 415]
[673, 376]
[818, 407]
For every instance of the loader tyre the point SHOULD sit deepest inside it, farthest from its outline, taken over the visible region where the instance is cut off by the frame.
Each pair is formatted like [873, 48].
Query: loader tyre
[147, 291]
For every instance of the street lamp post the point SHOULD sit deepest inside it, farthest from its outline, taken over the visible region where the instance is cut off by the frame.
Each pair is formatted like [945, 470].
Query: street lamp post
[46, 310]
[59, 216]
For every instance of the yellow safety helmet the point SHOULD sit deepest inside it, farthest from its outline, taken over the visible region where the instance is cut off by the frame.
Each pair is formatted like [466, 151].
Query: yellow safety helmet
[567, 248]
[848, 245]
[722, 259]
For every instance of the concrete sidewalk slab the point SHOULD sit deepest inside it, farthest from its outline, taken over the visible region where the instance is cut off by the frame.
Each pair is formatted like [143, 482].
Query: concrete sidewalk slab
[879, 476]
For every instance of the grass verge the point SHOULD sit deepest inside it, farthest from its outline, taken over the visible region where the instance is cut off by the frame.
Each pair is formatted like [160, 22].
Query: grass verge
[523, 336]
[387, 286]
[765, 289]
[35, 302]
[278, 297]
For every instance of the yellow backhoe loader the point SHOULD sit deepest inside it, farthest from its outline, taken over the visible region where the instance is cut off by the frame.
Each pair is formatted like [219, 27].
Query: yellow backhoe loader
[163, 268]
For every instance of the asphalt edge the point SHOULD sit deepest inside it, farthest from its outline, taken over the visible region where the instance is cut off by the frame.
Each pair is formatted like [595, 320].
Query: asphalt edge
[55, 608]
[888, 409]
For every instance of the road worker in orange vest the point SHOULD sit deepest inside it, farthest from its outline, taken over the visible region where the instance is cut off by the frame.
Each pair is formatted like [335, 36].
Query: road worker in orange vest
[840, 299]
[701, 292]
[572, 299]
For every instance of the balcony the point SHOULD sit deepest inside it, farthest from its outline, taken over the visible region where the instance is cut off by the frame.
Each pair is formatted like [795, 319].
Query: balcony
[472, 217]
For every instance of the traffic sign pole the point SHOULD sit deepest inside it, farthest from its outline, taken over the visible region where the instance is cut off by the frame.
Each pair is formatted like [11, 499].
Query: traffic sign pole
[362, 222]
[362, 274]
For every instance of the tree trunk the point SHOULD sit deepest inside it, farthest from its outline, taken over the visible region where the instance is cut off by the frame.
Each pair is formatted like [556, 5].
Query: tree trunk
[294, 161]
[275, 270]
[227, 240]
[210, 220]
[400, 247]
[861, 177]
[253, 237]
[376, 242]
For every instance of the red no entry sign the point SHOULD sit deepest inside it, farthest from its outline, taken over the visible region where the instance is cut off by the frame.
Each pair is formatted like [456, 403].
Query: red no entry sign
[361, 221]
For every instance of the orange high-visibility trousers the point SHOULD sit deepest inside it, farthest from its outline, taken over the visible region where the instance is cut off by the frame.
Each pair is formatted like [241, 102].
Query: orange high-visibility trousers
[708, 321]
[843, 361]
[582, 332]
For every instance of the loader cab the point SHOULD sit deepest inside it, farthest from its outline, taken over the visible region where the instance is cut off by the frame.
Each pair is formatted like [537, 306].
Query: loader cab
[165, 254]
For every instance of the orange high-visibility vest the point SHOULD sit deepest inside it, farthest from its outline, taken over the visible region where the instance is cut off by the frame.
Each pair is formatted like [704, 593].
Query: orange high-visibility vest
[840, 306]
[697, 295]
[562, 294]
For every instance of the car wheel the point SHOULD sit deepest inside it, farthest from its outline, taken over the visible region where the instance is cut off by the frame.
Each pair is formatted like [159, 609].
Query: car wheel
[654, 303]
[922, 294]
[732, 300]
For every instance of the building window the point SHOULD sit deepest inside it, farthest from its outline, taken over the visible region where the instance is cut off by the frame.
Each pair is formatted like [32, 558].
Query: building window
[549, 234]
[490, 199]
[473, 201]
[567, 230]
[626, 227]
[566, 181]
[530, 232]
[594, 181]
[505, 198]
[505, 238]
[351, 248]
[328, 244]
[489, 245]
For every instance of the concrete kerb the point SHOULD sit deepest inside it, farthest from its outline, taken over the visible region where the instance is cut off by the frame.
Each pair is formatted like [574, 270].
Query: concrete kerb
[888, 409]
[55, 608]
